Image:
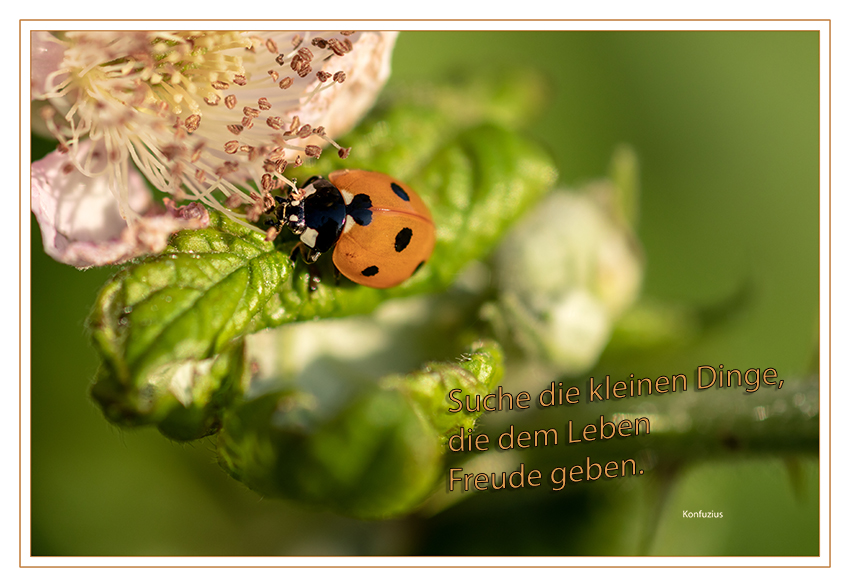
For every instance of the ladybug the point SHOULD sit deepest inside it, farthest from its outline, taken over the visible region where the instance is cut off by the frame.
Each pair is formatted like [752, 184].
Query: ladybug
[380, 229]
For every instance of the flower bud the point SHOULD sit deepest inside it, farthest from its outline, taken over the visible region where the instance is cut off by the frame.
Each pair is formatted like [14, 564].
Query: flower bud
[375, 458]
[566, 272]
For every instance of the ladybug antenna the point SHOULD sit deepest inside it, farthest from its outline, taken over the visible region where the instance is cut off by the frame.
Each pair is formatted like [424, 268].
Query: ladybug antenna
[292, 185]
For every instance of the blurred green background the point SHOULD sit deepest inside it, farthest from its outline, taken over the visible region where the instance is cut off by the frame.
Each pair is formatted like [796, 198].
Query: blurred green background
[725, 125]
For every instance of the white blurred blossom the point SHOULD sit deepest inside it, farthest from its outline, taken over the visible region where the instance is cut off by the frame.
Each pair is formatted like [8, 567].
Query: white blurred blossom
[566, 272]
[208, 116]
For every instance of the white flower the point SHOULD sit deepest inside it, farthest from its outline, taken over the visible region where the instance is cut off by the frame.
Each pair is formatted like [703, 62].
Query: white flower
[214, 117]
[566, 272]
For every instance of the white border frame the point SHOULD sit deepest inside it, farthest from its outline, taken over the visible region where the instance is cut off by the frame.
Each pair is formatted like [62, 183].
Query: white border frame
[823, 560]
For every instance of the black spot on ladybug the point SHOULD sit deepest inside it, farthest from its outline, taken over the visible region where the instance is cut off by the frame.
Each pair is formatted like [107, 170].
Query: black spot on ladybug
[399, 191]
[370, 271]
[402, 239]
[359, 209]
[418, 267]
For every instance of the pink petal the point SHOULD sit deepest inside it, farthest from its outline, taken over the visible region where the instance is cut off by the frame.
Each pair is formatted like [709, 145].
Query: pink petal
[47, 56]
[80, 220]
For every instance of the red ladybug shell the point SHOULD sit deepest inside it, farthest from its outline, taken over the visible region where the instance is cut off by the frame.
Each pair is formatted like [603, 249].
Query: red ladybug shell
[399, 238]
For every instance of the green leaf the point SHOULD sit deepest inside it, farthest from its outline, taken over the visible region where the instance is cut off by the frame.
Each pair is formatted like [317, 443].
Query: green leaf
[213, 286]
[189, 399]
[378, 456]
[190, 303]
[476, 373]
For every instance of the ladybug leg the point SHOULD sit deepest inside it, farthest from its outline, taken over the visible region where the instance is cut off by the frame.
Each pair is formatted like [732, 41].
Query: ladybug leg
[315, 278]
[307, 254]
[299, 248]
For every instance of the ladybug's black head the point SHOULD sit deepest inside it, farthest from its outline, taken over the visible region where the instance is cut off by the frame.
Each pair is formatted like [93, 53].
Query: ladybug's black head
[318, 217]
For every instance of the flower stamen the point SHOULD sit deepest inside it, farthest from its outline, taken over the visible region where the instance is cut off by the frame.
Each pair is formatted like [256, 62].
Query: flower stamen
[143, 95]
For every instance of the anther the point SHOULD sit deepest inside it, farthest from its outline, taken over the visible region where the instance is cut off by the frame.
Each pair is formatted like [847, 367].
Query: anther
[267, 182]
[274, 122]
[254, 212]
[196, 152]
[193, 122]
[272, 233]
[230, 101]
[172, 151]
[227, 168]
[300, 62]
[337, 46]
[252, 152]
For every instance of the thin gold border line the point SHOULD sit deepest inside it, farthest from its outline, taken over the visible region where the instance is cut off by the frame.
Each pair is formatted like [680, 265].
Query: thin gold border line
[438, 20]
[829, 293]
[20, 298]
[422, 567]
[561, 30]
